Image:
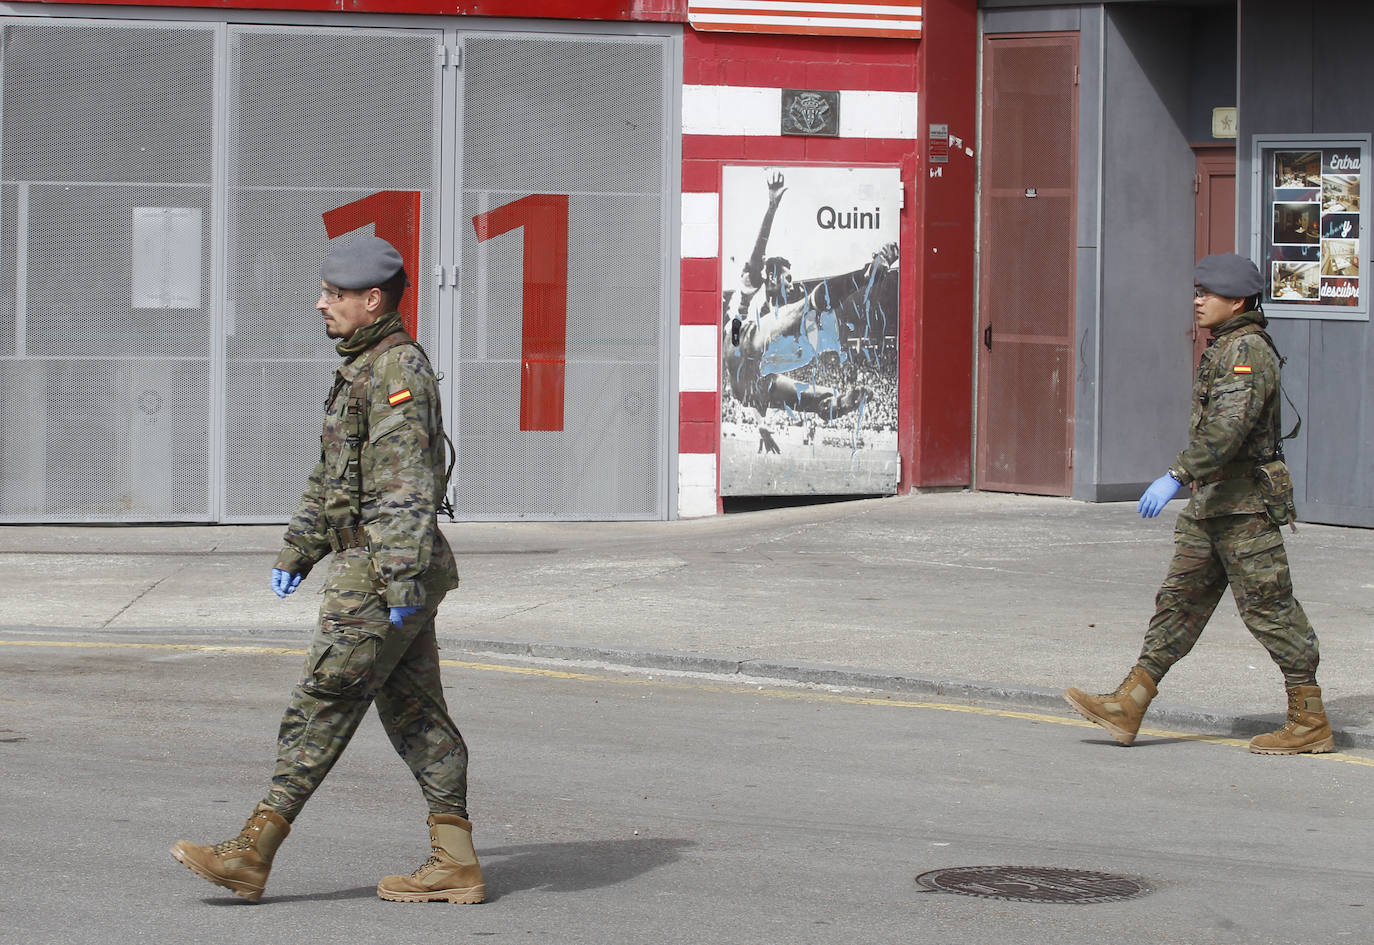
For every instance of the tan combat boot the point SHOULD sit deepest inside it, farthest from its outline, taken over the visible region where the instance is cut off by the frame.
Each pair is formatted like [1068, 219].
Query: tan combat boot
[1306, 729]
[451, 874]
[240, 864]
[1118, 712]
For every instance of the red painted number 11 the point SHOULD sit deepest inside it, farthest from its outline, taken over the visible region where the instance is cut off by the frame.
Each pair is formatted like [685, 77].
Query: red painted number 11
[395, 216]
[544, 324]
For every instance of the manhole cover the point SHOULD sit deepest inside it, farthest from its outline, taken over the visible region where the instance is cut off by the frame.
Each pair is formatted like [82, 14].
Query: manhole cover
[1032, 884]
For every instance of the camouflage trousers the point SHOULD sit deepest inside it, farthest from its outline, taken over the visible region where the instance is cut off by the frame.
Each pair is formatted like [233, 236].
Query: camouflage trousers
[1246, 552]
[357, 657]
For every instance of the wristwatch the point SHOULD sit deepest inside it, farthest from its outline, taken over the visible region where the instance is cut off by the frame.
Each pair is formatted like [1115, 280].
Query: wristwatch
[1177, 475]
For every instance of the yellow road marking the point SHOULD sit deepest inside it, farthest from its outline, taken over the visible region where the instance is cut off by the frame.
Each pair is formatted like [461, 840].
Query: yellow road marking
[201, 647]
[805, 695]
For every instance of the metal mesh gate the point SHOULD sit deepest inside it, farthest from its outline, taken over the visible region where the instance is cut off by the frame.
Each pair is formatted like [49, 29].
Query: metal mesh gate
[163, 192]
[105, 321]
[318, 119]
[582, 118]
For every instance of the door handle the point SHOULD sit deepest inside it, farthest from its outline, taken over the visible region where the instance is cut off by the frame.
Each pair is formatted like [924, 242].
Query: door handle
[987, 337]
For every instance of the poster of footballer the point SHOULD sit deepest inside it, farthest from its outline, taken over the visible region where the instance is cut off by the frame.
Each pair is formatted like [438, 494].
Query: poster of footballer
[809, 322]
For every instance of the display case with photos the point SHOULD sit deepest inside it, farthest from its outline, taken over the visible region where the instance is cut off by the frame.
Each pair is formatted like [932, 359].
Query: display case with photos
[1310, 237]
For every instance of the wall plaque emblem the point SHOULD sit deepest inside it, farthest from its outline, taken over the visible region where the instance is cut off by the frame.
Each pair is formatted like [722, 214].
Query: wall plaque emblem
[810, 112]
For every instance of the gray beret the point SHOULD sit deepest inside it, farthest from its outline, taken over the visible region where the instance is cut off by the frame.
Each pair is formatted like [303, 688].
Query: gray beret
[361, 263]
[1228, 275]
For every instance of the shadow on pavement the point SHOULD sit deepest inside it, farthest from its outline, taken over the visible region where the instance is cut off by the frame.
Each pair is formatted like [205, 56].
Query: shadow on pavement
[576, 866]
[358, 892]
[552, 867]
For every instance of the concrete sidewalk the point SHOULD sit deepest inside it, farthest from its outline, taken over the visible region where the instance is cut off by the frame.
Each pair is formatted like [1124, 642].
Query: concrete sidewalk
[982, 597]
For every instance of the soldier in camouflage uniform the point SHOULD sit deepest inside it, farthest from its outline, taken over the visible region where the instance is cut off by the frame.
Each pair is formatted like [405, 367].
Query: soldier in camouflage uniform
[372, 500]
[1229, 533]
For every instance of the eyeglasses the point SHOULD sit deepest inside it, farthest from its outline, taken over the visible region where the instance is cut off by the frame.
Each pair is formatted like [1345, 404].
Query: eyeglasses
[331, 295]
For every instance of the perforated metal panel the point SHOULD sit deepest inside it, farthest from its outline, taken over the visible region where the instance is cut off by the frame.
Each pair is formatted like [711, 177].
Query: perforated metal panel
[318, 119]
[1028, 186]
[106, 163]
[585, 118]
[163, 190]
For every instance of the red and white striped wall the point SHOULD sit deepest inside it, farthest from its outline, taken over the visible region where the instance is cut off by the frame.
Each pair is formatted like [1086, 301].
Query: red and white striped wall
[731, 103]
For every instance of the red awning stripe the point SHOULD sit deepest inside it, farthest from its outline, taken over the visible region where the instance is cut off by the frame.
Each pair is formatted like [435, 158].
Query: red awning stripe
[899, 18]
[810, 29]
[750, 16]
[912, 7]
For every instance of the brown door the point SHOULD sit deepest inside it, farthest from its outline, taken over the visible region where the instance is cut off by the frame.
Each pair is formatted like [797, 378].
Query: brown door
[1215, 184]
[1026, 269]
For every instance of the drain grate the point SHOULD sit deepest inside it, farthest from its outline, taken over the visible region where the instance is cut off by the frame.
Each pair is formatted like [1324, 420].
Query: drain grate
[1032, 884]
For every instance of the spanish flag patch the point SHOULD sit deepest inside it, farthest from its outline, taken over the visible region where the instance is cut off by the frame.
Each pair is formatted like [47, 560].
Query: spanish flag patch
[1239, 369]
[402, 395]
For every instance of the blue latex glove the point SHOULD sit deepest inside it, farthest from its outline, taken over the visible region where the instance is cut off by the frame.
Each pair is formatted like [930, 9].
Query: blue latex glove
[284, 583]
[1161, 491]
[399, 614]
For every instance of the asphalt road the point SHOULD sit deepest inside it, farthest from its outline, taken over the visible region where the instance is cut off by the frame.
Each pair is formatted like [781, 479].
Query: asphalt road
[615, 807]
[984, 594]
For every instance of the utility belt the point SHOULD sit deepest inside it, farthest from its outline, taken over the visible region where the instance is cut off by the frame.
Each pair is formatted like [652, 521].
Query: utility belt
[1241, 470]
[350, 536]
[1272, 479]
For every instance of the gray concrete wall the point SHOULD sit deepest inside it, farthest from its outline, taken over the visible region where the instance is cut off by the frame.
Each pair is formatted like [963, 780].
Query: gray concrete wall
[1039, 20]
[1304, 70]
[1148, 207]
[1088, 260]
[1212, 70]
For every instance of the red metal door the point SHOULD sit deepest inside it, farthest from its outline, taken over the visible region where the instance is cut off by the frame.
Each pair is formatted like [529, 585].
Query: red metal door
[1026, 268]
[1215, 184]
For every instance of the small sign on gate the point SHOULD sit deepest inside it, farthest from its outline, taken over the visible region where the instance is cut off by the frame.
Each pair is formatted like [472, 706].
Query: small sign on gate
[939, 144]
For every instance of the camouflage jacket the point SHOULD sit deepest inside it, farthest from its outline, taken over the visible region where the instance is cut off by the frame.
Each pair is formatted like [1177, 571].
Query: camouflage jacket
[1234, 425]
[383, 459]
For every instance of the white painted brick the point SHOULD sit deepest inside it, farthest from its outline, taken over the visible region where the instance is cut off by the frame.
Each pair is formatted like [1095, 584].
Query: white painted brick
[700, 110]
[696, 502]
[700, 241]
[731, 110]
[699, 341]
[698, 361]
[698, 374]
[701, 208]
[700, 226]
[696, 485]
[877, 114]
[697, 470]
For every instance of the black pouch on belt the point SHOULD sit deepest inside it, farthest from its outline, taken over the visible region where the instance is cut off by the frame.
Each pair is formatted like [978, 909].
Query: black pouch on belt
[1276, 486]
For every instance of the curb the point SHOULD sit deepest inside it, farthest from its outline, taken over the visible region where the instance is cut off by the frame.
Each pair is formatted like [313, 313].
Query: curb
[1188, 719]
